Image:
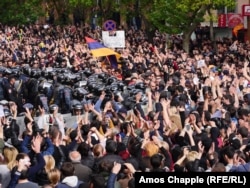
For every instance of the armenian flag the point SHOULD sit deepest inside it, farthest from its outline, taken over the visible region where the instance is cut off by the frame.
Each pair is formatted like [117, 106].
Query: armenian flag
[99, 50]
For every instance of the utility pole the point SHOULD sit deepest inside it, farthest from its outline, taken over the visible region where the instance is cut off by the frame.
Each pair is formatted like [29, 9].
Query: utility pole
[248, 26]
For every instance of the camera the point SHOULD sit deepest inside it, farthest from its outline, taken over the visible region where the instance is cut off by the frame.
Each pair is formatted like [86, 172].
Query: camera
[188, 127]
[35, 129]
[10, 118]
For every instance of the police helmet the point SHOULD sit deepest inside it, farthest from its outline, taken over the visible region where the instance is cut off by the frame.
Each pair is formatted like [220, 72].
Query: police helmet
[53, 107]
[111, 80]
[140, 85]
[77, 107]
[7, 112]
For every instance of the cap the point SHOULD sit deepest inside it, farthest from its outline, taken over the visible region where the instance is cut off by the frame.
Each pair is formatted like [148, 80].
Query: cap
[28, 105]
[53, 107]
[78, 107]
[122, 110]
[4, 102]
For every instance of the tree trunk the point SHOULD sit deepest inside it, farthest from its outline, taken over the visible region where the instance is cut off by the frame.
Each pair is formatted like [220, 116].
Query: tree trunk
[211, 28]
[186, 41]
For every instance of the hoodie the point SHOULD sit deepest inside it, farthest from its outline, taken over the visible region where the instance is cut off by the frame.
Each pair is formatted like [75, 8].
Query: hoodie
[69, 182]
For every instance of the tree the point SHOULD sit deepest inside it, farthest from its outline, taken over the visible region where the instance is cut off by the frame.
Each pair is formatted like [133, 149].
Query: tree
[181, 16]
[21, 12]
[81, 9]
[217, 4]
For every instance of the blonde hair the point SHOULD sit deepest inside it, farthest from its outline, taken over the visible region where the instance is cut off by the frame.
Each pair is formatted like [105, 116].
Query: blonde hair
[10, 154]
[165, 145]
[49, 162]
[67, 133]
[192, 155]
[54, 176]
[151, 149]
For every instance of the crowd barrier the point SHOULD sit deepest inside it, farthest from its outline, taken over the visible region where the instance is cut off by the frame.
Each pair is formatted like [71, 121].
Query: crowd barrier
[69, 119]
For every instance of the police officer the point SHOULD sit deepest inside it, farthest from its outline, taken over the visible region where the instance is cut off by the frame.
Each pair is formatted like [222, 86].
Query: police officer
[41, 99]
[77, 109]
[2, 97]
[58, 94]
[68, 96]
[11, 92]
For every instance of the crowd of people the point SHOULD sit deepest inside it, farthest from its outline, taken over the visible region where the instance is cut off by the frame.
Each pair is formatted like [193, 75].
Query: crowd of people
[160, 110]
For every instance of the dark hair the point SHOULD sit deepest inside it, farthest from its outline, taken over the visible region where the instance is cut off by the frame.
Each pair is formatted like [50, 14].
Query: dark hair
[156, 160]
[98, 181]
[134, 146]
[11, 77]
[243, 131]
[83, 149]
[111, 146]
[228, 150]
[131, 183]
[21, 156]
[207, 115]
[67, 169]
[124, 127]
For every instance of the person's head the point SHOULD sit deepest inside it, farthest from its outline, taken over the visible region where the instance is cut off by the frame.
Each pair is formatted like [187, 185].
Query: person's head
[55, 135]
[10, 154]
[49, 162]
[242, 132]
[54, 176]
[218, 167]
[77, 109]
[67, 169]
[152, 86]
[24, 159]
[156, 161]
[227, 153]
[12, 79]
[134, 146]
[192, 155]
[151, 149]
[98, 150]
[84, 149]
[111, 146]
[97, 181]
[212, 158]
[125, 127]
[53, 108]
[75, 156]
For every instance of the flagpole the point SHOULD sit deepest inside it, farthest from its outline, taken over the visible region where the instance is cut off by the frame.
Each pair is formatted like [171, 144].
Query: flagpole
[108, 60]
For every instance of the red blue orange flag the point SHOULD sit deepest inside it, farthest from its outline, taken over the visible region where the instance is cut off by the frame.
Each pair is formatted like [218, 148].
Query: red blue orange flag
[99, 50]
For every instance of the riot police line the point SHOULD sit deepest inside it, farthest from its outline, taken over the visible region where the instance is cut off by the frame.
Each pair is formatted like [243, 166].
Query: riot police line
[70, 90]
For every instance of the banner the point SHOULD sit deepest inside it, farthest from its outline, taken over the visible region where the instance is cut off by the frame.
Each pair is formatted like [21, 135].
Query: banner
[222, 20]
[245, 10]
[114, 39]
[192, 179]
[234, 20]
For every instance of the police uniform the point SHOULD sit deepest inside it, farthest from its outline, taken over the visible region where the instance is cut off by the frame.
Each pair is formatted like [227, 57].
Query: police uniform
[11, 93]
